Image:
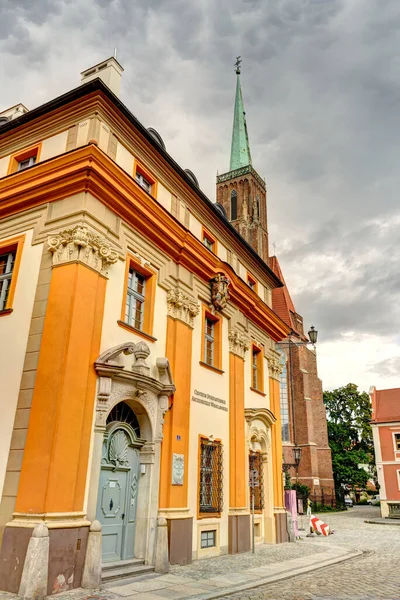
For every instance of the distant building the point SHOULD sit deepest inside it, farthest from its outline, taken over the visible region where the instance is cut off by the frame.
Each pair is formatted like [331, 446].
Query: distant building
[243, 194]
[385, 424]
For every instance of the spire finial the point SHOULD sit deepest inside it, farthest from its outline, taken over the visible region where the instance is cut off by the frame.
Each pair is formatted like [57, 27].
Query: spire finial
[237, 65]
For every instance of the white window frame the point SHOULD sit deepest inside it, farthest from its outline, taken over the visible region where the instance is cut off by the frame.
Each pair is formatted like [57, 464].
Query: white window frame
[254, 369]
[31, 161]
[209, 244]
[143, 182]
[5, 279]
[209, 337]
[396, 450]
[132, 296]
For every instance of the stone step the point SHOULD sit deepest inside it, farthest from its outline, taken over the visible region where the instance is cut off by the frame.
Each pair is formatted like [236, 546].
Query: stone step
[124, 569]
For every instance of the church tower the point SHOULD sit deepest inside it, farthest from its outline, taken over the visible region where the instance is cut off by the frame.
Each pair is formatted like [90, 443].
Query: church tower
[241, 191]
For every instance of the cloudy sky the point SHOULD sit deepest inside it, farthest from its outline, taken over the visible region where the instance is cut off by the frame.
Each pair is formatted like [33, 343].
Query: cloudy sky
[321, 86]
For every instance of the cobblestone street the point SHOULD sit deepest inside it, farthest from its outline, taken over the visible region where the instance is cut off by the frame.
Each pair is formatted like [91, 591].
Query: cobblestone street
[373, 576]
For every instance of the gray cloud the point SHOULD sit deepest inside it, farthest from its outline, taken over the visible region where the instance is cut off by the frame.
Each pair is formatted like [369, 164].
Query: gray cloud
[321, 86]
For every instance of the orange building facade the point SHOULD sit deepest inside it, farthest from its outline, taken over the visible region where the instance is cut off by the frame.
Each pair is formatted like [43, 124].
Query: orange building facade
[385, 425]
[138, 351]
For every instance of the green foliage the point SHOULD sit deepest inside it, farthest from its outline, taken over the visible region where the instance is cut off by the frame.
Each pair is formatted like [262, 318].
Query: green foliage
[323, 508]
[303, 490]
[350, 435]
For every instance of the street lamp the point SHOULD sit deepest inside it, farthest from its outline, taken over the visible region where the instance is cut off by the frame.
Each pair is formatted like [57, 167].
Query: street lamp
[313, 335]
[297, 455]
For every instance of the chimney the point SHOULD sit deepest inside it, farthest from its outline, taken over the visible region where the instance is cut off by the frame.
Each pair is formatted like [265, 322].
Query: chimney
[12, 113]
[109, 71]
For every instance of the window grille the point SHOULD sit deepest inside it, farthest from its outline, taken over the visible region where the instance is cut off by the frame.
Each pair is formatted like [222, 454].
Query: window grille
[209, 342]
[256, 465]
[123, 413]
[397, 441]
[210, 489]
[208, 539]
[135, 299]
[6, 269]
[233, 205]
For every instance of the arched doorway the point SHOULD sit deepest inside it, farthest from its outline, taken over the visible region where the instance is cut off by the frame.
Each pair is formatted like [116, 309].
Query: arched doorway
[119, 483]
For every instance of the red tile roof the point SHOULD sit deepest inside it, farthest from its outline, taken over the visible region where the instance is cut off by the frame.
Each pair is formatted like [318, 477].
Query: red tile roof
[385, 405]
[282, 303]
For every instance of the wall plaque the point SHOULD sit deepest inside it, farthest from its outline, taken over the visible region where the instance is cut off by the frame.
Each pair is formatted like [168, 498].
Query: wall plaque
[178, 469]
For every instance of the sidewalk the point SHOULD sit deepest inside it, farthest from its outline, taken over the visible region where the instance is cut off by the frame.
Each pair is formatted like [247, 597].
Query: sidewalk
[218, 577]
[197, 582]
[381, 521]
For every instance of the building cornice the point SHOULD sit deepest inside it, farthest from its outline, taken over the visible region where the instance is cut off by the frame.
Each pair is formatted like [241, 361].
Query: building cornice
[62, 112]
[88, 169]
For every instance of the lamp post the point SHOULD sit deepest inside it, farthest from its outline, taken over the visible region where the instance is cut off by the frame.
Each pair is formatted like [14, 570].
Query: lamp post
[297, 458]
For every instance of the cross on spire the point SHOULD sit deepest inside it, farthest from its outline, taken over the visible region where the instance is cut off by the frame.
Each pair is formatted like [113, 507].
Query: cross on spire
[237, 65]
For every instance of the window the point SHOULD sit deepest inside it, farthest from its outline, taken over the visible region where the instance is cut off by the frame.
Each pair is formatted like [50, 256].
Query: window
[143, 182]
[398, 479]
[209, 241]
[257, 369]
[28, 162]
[135, 299]
[256, 474]
[210, 488]
[145, 179]
[24, 159]
[10, 257]
[251, 282]
[397, 442]
[138, 301]
[208, 539]
[6, 270]
[211, 341]
[284, 401]
[233, 205]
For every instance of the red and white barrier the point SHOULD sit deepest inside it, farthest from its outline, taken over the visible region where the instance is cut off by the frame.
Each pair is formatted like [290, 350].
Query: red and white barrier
[319, 526]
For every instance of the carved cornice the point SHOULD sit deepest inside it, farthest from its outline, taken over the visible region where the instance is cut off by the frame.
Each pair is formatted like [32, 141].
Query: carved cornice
[81, 245]
[182, 307]
[275, 366]
[239, 342]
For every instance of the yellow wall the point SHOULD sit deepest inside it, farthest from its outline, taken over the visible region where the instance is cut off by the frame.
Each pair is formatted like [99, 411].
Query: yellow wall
[274, 391]
[14, 331]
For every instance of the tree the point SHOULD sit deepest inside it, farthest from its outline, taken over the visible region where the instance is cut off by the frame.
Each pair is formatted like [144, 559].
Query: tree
[350, 435]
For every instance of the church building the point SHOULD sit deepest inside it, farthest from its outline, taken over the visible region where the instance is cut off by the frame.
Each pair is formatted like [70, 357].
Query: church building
[138, 358]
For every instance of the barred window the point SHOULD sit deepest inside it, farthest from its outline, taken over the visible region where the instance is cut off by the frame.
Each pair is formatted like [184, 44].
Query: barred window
[256, 467]
[6, 270]
[135, 299]
[210, 489]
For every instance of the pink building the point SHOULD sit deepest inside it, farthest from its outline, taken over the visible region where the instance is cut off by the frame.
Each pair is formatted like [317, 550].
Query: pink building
[386, 431]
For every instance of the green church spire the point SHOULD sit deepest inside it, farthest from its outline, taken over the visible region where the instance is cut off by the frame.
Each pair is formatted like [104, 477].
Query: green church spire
[240, 149]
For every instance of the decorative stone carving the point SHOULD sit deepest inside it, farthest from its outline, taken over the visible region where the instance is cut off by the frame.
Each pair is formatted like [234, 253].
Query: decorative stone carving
[178, 469]
[219, 291]
[116, 384]
[275, 367]
[239, 342]
[181, 306]
[81, 245]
